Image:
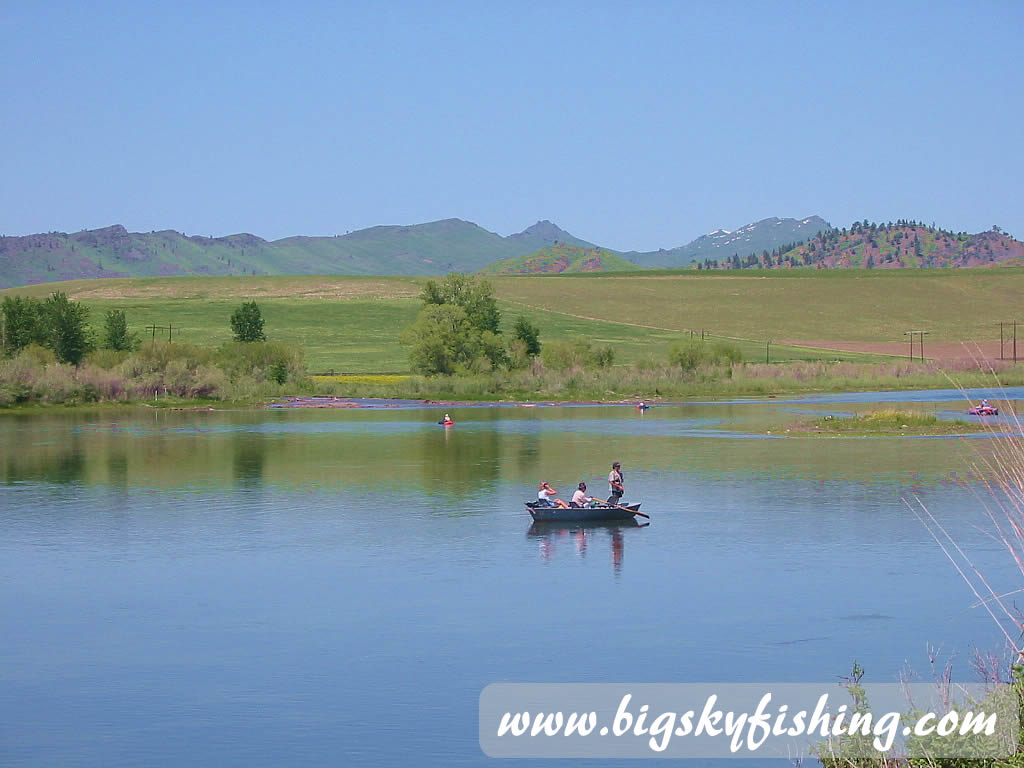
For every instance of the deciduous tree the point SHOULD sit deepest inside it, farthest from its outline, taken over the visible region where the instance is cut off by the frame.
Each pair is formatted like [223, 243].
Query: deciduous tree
[247, 323]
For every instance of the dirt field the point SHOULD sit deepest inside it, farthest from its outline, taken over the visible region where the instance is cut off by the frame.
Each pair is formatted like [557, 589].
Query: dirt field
[946, 351]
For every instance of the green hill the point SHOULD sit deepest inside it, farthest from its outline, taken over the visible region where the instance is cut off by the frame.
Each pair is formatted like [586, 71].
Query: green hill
[896, 245]
[765, 235]
[435, 248]
[557, 259]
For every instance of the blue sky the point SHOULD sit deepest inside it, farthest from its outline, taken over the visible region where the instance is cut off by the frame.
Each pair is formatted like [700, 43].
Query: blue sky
[636, 127]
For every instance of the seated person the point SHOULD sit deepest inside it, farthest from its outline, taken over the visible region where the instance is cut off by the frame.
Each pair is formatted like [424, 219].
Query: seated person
[546, 494]
[579, 497]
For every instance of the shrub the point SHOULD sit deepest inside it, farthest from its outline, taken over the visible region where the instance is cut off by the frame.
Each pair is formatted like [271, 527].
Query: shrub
[247, 323]
[66, 328]
[529, 334]
[116, 335]
[691, 354]
[107, 359]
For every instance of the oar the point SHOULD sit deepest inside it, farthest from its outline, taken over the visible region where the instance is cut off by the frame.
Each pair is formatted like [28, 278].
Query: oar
[627, 509]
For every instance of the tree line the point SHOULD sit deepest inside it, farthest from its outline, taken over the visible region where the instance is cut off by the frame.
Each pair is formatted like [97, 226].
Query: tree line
[62, 325]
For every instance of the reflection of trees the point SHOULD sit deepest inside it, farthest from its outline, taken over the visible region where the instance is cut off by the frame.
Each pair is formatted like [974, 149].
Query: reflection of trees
[248, 459]
[60, 461]
[117, 466]
[460, 462]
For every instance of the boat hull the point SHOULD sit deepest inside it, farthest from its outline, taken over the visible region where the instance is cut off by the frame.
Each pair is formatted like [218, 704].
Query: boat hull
[581, 514]
[983, 410]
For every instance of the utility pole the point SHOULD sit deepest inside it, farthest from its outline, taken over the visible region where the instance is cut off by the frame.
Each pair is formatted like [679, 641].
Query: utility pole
[920, 335]
[1012, 327]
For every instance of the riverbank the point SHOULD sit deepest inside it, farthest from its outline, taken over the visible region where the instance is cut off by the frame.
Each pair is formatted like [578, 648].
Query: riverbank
[156, 378]
[665, 382]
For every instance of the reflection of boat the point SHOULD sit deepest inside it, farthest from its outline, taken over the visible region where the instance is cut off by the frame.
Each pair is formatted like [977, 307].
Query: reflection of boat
[983, 410]
[600, 513]
[580, 533]
[540, 530]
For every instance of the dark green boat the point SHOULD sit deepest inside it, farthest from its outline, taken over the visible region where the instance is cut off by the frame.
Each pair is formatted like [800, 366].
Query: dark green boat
[600, 513]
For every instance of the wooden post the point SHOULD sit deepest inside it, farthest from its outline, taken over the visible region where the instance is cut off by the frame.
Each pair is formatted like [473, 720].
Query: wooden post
[767, 346]
[1001, 341]
[1015, 342]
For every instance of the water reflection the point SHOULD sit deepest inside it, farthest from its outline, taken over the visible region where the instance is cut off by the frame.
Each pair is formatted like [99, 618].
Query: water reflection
[248, 459]
[578, 536]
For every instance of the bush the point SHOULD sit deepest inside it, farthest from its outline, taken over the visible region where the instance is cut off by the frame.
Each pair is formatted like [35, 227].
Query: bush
[247, 323]
[66, 327]
[116, 335]
[107, 359]
[694, 353]
[529, 334]
[577, 352]
[260, 360]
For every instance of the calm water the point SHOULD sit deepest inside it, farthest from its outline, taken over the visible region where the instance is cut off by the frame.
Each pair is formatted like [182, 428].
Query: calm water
[336, 587]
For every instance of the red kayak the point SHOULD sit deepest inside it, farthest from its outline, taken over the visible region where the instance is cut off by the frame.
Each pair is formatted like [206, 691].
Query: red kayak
[983, 410]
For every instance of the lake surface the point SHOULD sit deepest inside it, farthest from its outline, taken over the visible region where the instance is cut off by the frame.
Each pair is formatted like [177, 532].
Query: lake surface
[336, 587]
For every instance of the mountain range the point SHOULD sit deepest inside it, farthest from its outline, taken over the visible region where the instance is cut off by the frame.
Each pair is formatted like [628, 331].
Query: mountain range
[435, 248]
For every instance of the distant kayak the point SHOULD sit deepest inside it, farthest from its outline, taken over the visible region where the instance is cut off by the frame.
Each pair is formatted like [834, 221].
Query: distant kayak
[983, 410]
[446, 423]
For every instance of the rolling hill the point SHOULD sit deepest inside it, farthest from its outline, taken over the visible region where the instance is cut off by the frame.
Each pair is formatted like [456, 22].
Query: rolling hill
[557, 259]
[435, 248]
[764, 235]
[887, 246]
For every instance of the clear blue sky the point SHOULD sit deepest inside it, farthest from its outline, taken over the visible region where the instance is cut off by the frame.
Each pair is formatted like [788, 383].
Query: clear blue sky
[635, 127]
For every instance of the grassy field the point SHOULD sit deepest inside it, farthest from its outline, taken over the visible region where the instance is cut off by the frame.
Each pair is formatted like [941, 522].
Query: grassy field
[849, 305]
[351, 324]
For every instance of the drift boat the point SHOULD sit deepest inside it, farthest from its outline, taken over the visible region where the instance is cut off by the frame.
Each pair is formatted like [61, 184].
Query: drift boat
[600, 513]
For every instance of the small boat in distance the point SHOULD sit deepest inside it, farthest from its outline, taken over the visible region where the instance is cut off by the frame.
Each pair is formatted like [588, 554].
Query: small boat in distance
[600, 513]
[983, 410]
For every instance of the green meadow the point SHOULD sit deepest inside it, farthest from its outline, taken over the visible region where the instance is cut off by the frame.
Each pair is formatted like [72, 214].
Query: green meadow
[352, 324]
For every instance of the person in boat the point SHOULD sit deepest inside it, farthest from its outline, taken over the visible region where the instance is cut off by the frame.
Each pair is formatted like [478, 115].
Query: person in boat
[616, 483]
[579, 496]
[447, 417]
[546, 496]
[984, 403]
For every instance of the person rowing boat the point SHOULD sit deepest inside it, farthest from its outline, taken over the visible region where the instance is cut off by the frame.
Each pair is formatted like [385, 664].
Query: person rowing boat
[579, 497]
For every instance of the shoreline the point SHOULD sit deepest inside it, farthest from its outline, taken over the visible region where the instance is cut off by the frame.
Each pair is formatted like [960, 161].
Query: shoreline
[341, 402]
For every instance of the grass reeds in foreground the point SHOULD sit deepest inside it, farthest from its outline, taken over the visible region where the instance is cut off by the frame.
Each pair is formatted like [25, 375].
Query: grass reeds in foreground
[1001, 498]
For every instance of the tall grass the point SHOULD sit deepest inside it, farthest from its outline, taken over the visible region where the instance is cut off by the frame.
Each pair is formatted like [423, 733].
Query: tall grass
[1001, 499]
[651, 379]
[233, 371]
